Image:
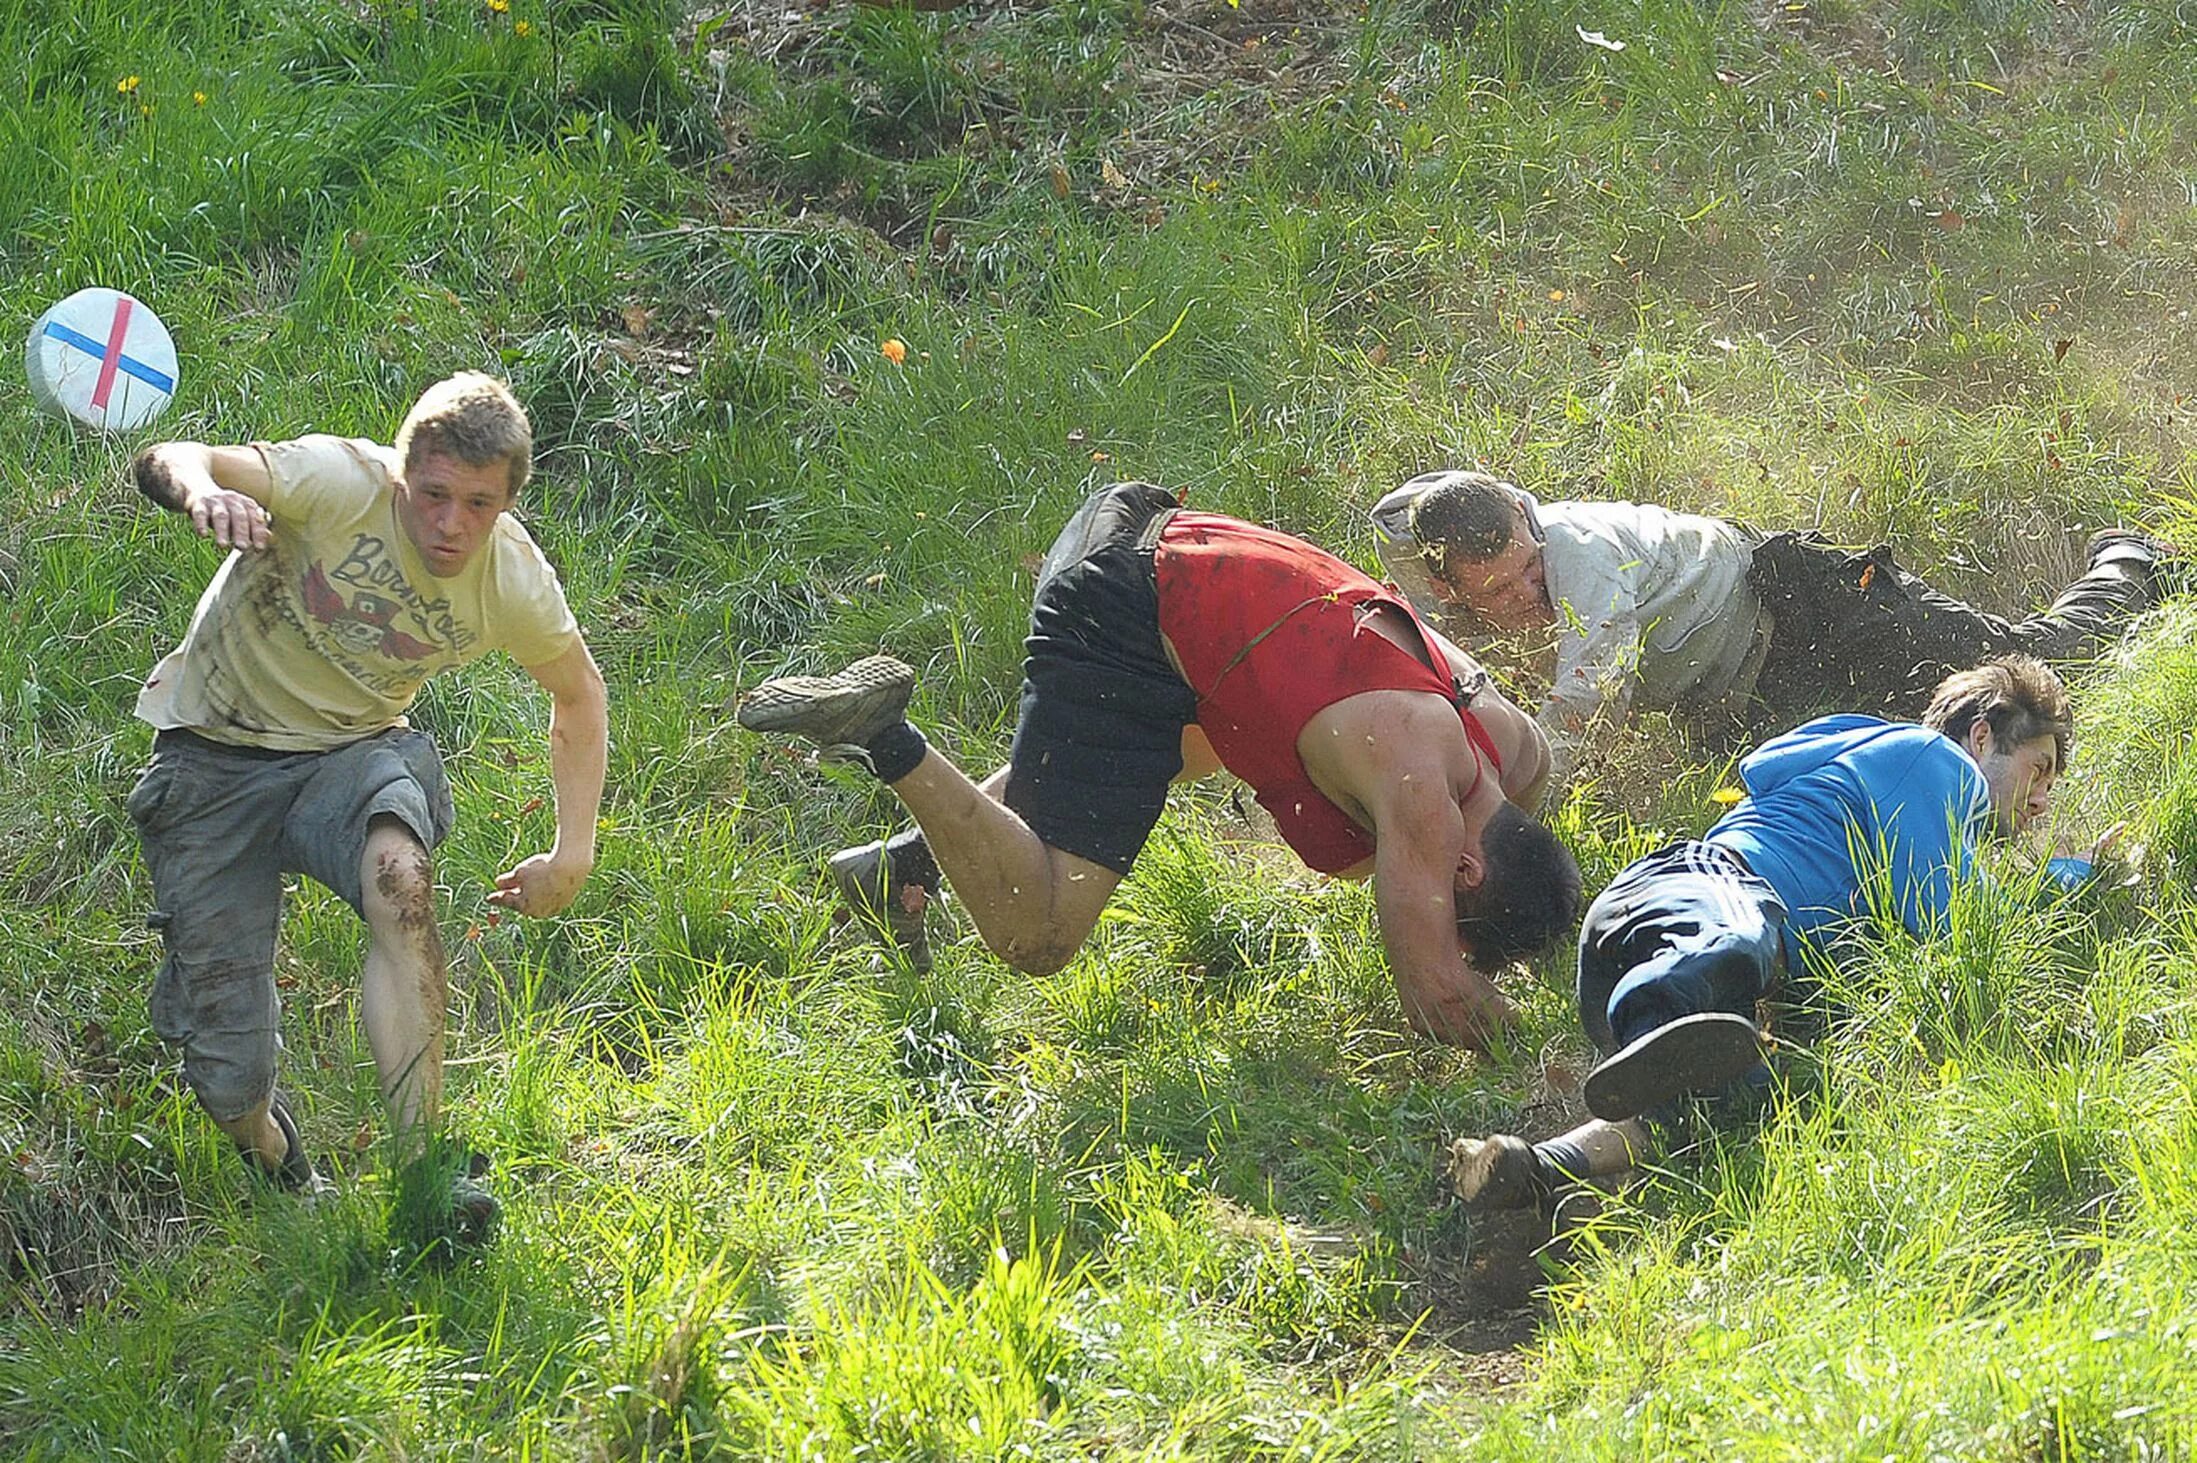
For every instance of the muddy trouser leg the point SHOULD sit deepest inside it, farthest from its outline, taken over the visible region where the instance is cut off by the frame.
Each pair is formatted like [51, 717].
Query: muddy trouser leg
[1952, 636]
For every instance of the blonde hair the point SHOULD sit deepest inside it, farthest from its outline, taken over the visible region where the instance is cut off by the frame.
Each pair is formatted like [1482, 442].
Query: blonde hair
[2020, 698]
[474, 418]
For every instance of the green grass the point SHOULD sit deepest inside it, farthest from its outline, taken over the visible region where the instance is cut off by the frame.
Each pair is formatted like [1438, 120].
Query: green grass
[1913, 271]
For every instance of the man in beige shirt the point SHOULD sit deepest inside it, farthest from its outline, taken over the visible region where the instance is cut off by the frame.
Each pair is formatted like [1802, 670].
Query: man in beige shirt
[356, 571]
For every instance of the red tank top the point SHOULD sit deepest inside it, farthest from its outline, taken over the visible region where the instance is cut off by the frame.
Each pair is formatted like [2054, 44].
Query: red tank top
[1270, 632]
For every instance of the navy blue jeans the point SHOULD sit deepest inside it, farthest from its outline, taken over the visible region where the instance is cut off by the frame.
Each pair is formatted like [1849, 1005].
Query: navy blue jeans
[1685, 930]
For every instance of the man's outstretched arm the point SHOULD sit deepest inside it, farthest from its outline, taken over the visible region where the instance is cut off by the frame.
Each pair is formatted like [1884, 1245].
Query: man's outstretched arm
[579, 746]
[1416, 767]
[224, 491]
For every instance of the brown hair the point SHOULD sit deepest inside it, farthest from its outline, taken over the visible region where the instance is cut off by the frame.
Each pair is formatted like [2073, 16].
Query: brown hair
[471, 417]
[2018, 697]
[1468, 514]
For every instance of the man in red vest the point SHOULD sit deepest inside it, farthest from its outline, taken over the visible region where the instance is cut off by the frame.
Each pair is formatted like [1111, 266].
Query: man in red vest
[1166, 644]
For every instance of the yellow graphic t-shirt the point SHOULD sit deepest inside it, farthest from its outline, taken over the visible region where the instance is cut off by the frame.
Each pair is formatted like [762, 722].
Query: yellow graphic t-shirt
[326, 635]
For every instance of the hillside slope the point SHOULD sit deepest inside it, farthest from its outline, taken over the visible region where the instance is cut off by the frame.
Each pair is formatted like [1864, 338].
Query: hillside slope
[1915, 272]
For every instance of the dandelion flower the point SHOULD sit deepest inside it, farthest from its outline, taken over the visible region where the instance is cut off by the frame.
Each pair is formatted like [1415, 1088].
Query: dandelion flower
[126, 85]
[894, 350]
[499, 6]
[198, 99]
[1727, 795]
[522, 29]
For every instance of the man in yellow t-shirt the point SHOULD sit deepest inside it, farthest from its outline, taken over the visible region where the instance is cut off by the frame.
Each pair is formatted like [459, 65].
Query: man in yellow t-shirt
[356, 572]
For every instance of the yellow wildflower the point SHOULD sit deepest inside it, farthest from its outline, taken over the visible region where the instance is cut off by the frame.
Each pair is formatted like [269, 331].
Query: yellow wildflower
[198, 99]
[499, 6]
[522, 29]
[126, 85]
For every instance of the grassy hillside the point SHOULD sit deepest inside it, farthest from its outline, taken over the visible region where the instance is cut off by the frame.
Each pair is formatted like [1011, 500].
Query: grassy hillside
[1917, 272]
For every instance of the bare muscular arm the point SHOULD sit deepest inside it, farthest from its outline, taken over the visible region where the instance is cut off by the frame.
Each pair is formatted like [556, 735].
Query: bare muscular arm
[224, 491]
[1518, 737]
[1400, 761]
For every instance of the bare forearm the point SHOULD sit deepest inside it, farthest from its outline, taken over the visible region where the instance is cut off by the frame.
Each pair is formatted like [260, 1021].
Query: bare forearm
[579, 750]
[165, 474]
[223, 491]
[1441, 994]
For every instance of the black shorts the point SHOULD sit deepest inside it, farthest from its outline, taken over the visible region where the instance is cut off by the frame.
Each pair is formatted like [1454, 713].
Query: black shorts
[1099, 737]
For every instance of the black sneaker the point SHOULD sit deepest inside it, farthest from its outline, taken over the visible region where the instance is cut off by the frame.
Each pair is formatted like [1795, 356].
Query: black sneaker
[843, 711]
[1699, 1053]
[1497, 1172]
[865, 880]
[296, 1173]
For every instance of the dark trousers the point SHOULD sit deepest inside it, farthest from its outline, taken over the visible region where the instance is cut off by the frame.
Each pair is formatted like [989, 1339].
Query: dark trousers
[1685, 930]
[1856, 632]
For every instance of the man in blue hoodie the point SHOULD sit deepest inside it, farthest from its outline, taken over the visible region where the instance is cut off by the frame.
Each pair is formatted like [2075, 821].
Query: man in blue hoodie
[1677, 950]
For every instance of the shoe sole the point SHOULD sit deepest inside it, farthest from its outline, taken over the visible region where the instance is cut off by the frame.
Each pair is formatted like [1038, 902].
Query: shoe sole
[1698, 1053]
[819, 707]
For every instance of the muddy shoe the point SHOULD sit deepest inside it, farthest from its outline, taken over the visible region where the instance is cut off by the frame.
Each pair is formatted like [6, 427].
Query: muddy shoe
[847, 710]
[1699, 1053]
[1497, 1172]
[474, 1212]
[297, 1174]
[890, 910]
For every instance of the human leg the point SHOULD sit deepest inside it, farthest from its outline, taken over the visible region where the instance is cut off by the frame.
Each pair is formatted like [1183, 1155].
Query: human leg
[1033, 903]
[889, 884]
[1502, 1171]
[205, 815]
[2120, 583]
[1035, 851]
[366, 826]
[404, 990]
[1673, 956]
[1857, 632]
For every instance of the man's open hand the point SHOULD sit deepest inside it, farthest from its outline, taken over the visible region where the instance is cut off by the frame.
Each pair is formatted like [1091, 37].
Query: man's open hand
[230, 519]
[541, 886]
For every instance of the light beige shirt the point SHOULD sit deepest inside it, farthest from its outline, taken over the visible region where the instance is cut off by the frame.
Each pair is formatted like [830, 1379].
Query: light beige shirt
[326, 635]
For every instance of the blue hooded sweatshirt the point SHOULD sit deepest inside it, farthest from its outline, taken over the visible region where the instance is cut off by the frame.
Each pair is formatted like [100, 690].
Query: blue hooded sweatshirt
[1844, 800]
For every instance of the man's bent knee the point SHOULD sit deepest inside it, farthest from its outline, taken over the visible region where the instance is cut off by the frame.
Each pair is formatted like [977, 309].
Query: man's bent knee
[399, 876]
[1036, 955]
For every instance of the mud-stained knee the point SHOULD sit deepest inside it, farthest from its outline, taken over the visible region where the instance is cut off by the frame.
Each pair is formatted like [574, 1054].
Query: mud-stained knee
[1035, 955]
[401, 874]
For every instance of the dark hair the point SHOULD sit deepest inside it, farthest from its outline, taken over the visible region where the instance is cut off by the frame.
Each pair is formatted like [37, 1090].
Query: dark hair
[2019, 698]
[1468, 514]
[1529, 898]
